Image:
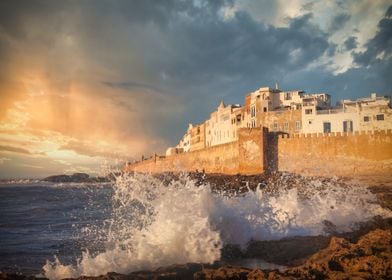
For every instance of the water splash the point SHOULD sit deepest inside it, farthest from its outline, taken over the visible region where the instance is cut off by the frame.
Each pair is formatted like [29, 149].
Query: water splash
[155, 225]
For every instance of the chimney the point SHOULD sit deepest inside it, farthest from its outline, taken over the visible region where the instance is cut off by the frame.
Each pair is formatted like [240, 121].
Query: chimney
[276, 85]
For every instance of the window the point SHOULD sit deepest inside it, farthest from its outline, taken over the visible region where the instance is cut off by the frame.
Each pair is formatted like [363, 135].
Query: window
[275, 126]
[265, 109]
[366, 118]
[253, 123]
[297, 125]
[380, 117]
[286, 126]
[327, 127]
[348, 126]
[253, 111]
[287, 96]
[308, 111]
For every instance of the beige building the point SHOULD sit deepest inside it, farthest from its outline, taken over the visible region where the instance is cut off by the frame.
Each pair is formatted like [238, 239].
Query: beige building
[198, 139]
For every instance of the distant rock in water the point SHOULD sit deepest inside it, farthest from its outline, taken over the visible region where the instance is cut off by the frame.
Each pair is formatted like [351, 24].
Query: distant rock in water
[75, 178]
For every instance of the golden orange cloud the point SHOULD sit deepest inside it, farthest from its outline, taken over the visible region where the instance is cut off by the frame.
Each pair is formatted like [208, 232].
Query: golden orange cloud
[80, 127]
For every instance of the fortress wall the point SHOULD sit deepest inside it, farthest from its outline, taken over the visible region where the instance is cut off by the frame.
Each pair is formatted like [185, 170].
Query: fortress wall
[340, 154]
[244, 156]
[335, 154]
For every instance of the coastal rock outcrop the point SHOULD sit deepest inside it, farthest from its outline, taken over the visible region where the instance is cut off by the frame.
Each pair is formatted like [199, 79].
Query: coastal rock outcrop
[369, 258]
[75, 178]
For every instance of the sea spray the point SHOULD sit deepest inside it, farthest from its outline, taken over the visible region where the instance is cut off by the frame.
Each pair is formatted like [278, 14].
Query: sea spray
[154, 225]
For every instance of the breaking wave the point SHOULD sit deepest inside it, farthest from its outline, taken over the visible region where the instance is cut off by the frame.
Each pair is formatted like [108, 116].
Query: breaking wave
[153, 224]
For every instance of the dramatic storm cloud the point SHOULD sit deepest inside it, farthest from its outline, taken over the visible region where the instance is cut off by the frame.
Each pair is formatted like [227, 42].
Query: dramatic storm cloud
[82, 82]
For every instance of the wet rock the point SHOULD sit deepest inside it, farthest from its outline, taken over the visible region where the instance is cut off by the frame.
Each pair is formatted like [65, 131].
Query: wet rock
[369, 258]
[288, 251]
[257, 274]
[225, 272]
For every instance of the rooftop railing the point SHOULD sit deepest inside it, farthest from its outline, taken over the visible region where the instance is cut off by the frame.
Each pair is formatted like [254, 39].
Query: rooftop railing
[330, 111]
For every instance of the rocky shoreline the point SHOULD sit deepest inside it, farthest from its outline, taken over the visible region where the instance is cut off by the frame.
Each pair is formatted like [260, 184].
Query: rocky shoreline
[368, 257]
[365, 253]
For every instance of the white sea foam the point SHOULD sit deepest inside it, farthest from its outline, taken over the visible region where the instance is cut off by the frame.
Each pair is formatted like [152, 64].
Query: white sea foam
[154, 225]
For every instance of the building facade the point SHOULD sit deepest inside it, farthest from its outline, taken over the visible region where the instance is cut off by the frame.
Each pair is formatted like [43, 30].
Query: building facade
[364, 114]
[287, 112]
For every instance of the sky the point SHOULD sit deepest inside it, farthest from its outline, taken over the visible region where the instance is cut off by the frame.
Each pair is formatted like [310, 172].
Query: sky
[84, 84]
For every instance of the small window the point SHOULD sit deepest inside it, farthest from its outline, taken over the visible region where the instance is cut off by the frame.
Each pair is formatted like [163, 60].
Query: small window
[275, 126]
[286, 126]
[310, 121]
[327, 127]
[366, 118]
[348, 126]
[265, 109]
[380, 117]
[253, 123]
[308, 111]
[297, 125]
[253, 111]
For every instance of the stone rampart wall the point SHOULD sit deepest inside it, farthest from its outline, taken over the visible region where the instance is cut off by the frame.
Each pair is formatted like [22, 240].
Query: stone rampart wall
[341, 154]
[244, 156]
[336, 154]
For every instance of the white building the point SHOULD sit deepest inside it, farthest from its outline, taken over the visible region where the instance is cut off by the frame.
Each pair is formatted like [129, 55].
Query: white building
[372, 113]
[185, 143]
[223, 123]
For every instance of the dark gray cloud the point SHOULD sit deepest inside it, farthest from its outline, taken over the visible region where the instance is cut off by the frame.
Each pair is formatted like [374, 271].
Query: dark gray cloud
[350, 43]
[380, 44]
[339, 21]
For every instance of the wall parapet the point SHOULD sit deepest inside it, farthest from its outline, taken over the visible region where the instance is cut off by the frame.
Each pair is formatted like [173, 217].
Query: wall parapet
[336, 134]
[343, 154]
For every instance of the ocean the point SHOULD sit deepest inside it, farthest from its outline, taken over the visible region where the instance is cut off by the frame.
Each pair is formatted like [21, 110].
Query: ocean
[41, 220]
[138, 222]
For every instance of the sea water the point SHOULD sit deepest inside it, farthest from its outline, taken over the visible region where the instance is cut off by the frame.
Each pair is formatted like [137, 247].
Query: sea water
[138, 222]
